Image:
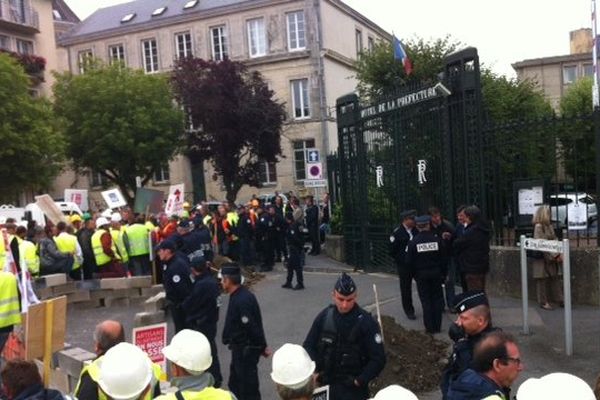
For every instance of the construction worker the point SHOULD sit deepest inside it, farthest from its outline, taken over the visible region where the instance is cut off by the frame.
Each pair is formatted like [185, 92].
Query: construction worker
[28, 252]
[10, 306]
[190, 356]
[67, 243]
[293, 373]
[76, 221]
[395, 392]
[105, 251]
[126, 373]
[119, 237]
[138, 235]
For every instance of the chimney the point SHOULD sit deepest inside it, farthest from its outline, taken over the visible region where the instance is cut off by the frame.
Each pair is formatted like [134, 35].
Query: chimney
[581, 41]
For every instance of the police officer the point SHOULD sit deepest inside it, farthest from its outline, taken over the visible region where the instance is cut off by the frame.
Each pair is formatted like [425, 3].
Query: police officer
[398, 242]
[243, 333]
[474, 321]
[426, 259]
[176, 280]
[246, 228]
[266, 234]
[295, 241]
[345, 342]
[201, 310]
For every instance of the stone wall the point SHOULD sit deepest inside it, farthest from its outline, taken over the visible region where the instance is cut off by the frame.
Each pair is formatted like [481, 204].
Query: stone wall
[334, 247]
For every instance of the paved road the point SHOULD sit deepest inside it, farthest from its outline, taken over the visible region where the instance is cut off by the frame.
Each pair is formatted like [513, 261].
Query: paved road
[288, 315]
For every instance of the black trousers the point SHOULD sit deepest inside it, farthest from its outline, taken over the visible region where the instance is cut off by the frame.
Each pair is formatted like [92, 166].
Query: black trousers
[267, 252]
[347, 391]
[243, 373]
[315, 240]
[178, 316]
[294, 264]
[406, 277]
[432, 299]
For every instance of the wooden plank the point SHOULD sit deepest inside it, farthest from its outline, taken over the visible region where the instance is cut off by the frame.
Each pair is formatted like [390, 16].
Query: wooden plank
[35, 323]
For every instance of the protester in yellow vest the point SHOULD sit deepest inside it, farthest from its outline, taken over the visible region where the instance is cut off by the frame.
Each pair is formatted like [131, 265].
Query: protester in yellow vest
[10, 306]
[67, 243]
[2, 250]
[138, 235]
[190, 356]
[28, 252]
[106, 255]
[119, 236]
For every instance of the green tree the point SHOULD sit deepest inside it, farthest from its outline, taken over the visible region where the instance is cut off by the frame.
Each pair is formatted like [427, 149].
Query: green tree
[119, 122]
[32, 148]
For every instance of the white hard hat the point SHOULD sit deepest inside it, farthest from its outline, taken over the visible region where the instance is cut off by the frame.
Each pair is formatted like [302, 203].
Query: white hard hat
[115, 217]
[2, 219]
[107, 213]
[557, 385]
[292, 366]
[125, 371]
[100, 221]
[395, 392]
[190, 350]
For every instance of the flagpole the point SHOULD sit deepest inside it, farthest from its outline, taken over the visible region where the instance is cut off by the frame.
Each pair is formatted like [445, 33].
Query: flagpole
[595, 92]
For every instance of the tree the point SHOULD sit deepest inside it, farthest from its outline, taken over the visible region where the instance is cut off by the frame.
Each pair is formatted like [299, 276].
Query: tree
[239, 124]
[32, 147]
[119, 122]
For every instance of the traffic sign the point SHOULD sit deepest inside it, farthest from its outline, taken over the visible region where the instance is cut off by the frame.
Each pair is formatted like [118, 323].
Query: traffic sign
[314, 171]
[315, 183]
[313, 156]
[548, 246]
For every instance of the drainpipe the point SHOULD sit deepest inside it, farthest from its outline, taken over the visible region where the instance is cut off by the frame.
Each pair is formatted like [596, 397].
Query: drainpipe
[321, 82]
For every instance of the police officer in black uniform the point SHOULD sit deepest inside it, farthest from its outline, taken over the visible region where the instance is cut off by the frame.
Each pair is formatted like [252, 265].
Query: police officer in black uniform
[176, 280]
[426, 259]
[267, 235]
[243, 333]
[245, 232]
[346, 344]
[474, 321]
[398, 243]
[201, 310]
[295, 242]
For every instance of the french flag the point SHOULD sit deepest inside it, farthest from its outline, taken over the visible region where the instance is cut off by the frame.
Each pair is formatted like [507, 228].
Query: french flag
[400, 54]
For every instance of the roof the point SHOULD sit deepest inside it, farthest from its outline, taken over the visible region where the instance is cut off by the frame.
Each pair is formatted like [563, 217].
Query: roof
[109, 18]
[553, 60]
[66, 14]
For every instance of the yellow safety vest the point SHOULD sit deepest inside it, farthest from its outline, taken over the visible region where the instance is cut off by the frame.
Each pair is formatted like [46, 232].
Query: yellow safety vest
[117, 237]
[233, 218]
[206, 219]
[209, 393]
[29, 253]
[138, 240]
[67, 243]
[99, 255]
[2, 251]
[149, 225]
[10, 309]
[93, 369]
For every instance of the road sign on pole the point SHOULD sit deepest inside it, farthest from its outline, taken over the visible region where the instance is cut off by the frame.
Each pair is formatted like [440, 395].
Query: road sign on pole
[313, 156]
[314, 171]
[315, 183]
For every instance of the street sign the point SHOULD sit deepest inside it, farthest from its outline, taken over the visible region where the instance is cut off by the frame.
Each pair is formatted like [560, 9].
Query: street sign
[315, 183]
[175, 200]
[548, 246]
[314, 171]
[313, 156]
[114, 198]
[152, 339]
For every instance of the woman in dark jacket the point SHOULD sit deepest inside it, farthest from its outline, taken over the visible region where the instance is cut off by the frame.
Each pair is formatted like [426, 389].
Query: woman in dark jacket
[472, 250]
[52, 261]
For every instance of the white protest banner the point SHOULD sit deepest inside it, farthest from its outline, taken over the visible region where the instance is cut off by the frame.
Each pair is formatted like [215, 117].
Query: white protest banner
[79, 197]
[49, 207]
[175, 200]
[114, 198]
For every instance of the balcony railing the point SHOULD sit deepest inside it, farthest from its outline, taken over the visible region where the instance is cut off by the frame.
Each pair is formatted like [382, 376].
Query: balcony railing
[16, 13]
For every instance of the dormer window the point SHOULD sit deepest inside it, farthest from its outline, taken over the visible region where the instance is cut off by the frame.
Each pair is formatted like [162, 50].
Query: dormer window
[127, 18]
[190, 4]
[159, 11]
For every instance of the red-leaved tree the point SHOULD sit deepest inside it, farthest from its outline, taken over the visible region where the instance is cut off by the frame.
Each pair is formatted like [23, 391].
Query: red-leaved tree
[237, 124]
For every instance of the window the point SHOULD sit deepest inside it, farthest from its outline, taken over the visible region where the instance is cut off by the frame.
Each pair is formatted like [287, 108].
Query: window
[190, 4]
[219, 43]
[300, 101]
[268, 173]
[569, 74]
[98, 180]
[116, 53]
[183, 43]
[300, 148]
[84, 59]
[588, 70]
[162, 175]
[17, 10]
[370, 43]
[257, 43]
[296, 31]
[4, 42]
[159, 11]
[127, 18]
[56, 15]
[359, 43]
[150, 55]
[24, 46]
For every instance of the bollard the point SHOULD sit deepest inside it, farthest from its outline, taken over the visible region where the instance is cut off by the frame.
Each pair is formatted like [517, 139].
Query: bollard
[524, 288]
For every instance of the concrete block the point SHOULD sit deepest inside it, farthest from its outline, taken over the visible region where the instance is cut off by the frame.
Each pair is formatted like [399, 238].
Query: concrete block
[155, 303]
[85, 305]
[52, 280]
[59, 380]
[99, 294]
[90, 284]
[136, 301]
[140, 281]
[65, 288]
[72, 383]
[44, 293]
[153, 290]
[147, 318]
[116, 302]
[118, 293]
[78, 296]
[71, 361]
[114, 283]
[134, 293]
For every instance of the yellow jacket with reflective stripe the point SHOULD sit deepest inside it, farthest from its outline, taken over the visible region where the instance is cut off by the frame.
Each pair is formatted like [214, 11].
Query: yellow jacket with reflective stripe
[93, 370]
[209, 393]
[138, 240]
[233, 218]
[29, 254]
[10, 309]
[99, 255]
[117, 237]
[2, 252]
[67, 243]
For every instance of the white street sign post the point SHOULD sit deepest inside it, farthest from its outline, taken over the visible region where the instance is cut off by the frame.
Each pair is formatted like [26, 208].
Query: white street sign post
[549, 246]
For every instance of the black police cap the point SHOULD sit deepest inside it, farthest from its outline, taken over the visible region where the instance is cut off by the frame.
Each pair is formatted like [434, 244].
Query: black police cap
[408, 214]
[230, 269]
[467, 300]
[345, 285]
[423, 219]
[198, 262]
[166, 245]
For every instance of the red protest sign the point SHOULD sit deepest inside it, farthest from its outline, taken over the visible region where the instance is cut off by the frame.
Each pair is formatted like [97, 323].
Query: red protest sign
[152, 339]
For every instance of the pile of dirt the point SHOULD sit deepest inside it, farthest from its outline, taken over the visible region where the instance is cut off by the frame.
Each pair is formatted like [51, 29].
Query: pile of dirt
[251, 278]
[415, 360]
